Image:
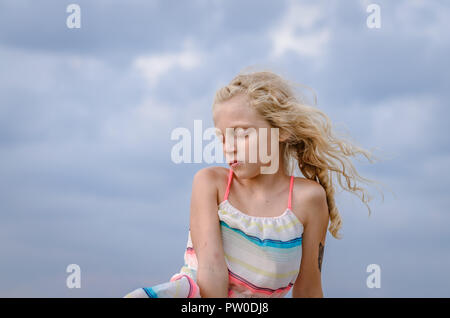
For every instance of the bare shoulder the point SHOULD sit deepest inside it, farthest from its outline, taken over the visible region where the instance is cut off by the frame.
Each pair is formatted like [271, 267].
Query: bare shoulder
[206, 173]
[309, 200]
[210, 175]
[310, 188]
[210, 179]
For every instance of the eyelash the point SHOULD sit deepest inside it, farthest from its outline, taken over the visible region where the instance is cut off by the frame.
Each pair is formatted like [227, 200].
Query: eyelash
[244, 131]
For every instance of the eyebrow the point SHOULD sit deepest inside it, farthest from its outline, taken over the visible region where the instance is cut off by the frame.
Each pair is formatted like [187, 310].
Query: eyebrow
[241, 124]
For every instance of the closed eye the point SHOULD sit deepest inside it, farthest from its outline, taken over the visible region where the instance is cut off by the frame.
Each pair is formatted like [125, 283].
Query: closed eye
[241, 131]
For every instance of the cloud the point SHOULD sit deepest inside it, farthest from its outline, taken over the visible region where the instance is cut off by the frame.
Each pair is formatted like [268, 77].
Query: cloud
[79, 126]
[155, 66]
[297, 31]
[404, 122]
[427, 20]
[140, 126]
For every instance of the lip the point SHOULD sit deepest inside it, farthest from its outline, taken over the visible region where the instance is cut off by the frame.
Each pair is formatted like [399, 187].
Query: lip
[235, 163]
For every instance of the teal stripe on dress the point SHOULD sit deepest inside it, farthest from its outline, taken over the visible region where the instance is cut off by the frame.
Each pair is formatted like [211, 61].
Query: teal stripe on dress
[150, 292]
[266, 242]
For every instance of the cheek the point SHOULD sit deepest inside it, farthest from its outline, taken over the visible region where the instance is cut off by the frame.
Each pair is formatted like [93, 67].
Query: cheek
[242, 148]
[252, 149]
[261, 145]
[252, 143]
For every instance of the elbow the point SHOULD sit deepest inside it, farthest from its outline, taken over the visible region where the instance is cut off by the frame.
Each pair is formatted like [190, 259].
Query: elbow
[307, 290]
[213, 281]
[310, 293]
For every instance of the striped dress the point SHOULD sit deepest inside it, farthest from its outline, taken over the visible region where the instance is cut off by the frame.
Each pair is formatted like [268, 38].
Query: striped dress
[263, 256]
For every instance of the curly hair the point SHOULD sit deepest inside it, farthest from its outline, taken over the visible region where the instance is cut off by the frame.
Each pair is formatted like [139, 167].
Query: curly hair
[312, 144]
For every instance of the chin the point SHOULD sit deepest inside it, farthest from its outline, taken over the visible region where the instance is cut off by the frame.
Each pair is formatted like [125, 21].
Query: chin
[246, 171]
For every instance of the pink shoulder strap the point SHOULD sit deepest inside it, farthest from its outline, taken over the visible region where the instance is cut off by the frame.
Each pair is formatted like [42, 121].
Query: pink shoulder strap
[230, 176]
[290, 192]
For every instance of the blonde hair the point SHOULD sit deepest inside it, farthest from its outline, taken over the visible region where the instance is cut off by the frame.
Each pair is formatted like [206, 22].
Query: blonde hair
[311, 142]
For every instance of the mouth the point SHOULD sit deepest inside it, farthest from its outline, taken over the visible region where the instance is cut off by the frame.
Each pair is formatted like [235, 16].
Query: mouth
[234, 163]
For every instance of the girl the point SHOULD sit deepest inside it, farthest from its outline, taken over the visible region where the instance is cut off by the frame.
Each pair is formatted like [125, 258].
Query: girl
[255, 234]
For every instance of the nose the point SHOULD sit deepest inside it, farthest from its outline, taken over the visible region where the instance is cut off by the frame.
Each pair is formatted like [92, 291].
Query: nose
[229, 145]
[230, 153]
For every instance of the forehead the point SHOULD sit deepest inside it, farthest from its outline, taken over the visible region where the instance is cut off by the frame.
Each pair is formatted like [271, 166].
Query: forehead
[236, 112]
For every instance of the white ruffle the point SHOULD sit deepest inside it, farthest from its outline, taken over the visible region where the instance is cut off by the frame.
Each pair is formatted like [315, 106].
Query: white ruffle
[283, 227]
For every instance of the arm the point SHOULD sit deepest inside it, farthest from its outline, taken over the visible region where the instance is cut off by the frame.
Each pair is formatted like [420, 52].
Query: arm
[212, 272]
[308, 283]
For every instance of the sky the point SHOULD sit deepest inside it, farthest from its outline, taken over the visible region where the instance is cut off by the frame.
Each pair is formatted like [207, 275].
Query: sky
[86, 116]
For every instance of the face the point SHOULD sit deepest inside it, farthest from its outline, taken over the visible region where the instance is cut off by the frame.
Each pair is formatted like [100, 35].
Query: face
[242, 142]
